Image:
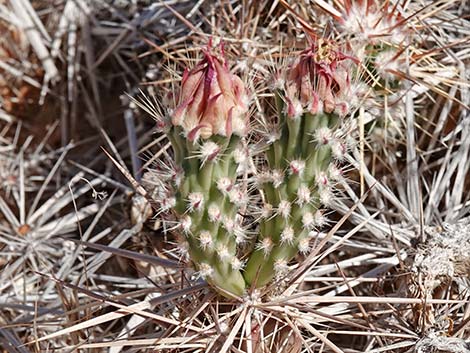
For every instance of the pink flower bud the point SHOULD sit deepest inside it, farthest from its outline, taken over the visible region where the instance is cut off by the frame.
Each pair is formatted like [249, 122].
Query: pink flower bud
[319, 80]
[212, 100]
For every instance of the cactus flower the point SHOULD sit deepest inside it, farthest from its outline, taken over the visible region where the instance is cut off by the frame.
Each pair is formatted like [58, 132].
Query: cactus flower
[212, 100]
[319, 80]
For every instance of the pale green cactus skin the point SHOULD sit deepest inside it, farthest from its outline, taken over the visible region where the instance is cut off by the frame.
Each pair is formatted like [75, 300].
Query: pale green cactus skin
[297, 142]
[200, 176]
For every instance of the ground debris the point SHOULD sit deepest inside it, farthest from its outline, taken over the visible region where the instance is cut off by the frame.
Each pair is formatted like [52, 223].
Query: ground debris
[442, 344]
[445, 254]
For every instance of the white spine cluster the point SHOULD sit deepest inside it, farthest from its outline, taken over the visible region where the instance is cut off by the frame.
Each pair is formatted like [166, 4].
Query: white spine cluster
[304, 246]
[223, 253]
[186, 223]
[297, 167]
[335, 173]
[205, 239]
[240, 234]
[240, 155]
[339, 149]
[183, 250]
[267, 210]
[229, 225]
[167, 203]
[322, 180]
[277, 178]
[237, 264]
[280, 267]
[324, 136]
[284, 209]
[326, 196]
[205, 270]
[319, 219]
[214, 214]
[196, 201]
[209, 151]
[308, 220]
[238, 196]
[303, 195]
[287, 235]
[273, 135]
[224, 185]
[265, 246]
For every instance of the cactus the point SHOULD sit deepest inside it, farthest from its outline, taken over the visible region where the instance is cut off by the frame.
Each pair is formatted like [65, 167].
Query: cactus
[206, 130]
[301, 161]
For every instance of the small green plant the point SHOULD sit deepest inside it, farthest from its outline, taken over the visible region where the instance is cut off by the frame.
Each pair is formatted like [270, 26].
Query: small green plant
[301, 159]
[208, 194]
[205, 132]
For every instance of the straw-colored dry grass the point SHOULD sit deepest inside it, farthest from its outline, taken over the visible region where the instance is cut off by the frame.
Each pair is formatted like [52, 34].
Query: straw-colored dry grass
[84, 265]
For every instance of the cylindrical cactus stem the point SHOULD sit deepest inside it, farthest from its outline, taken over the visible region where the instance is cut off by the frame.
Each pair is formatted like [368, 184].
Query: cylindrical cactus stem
[207, 127]
[301, 162]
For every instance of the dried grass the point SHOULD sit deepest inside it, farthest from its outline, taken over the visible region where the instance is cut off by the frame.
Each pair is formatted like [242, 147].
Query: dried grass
[79, 273]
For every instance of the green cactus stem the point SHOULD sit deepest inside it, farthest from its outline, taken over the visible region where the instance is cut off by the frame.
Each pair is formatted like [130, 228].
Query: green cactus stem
[207, 202]
[206, 132]
[301, 161]
[296, 187]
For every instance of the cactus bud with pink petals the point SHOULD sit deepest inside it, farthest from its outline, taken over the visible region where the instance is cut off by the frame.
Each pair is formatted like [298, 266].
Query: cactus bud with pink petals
[212, 100]
[319, 80]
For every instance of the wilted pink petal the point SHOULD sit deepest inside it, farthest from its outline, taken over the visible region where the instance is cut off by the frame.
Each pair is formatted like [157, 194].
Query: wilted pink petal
[215, 109]
[306, 89]
[189, 84]
[179, 113]
[325, 93]
[241, 99]
[341, 79]
[194, 109]
[290, 108]
[211, 100]
[342, 108]
[194, 134]
[224, 77]
[315, 106]
[318, 79]
[228, 123]
[206, 131]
